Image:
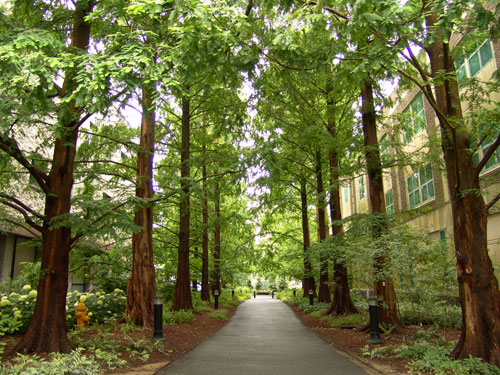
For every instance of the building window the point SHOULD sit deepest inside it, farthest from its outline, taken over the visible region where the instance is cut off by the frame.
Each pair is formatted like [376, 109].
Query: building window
[442, 235]
[420, 186]
[389, 202]
[361, 185]
[346, 193]
[479, 154]
[414, 120]
[384, 148]
[471, 62]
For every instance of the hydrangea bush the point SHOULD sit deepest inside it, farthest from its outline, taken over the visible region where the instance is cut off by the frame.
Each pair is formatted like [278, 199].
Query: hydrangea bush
[16, 309]
[102, 307]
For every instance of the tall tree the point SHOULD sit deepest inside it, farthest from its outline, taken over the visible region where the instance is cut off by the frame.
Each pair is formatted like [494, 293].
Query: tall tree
[478, 286]
[384, 286]
[205, 285]
[324, 290]
[47, 329]
[308, 282]
[341, 301]
[216, 278]
[141, 287]
[182, 298]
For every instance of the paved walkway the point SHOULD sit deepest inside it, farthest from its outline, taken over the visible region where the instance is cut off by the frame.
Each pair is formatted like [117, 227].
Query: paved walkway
[263, 337]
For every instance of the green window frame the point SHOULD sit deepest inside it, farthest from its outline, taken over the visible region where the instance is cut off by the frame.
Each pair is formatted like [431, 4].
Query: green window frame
[414, 118]
[479, 154]
[361, 185]
[389, 202]
[478, 56]
[346, 193]
[421, 186]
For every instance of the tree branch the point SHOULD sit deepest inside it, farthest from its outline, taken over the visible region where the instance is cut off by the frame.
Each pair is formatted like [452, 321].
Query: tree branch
[492, 202]
[105, 161]
[79, 235]
[30, 230]
[27, 218]
[487, 155]
[10, 147]
[23, 205]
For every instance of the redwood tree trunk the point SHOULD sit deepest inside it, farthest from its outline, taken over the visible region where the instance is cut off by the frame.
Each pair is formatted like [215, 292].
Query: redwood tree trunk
[341, 301]
[324, 290]
[308, 282]
[182, 297]
[47, 330]
[141, 286]
[478, 286]
[216, 285]
[205, 287]
[384, 287]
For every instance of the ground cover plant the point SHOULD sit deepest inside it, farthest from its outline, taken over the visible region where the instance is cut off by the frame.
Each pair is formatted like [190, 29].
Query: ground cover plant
[422, 349]
[106, 344]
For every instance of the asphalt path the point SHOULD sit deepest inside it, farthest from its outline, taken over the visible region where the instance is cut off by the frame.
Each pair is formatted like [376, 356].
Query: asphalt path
[264, 337]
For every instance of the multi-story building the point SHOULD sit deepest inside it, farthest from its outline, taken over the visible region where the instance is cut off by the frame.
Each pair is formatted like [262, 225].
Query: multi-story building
[424, 186]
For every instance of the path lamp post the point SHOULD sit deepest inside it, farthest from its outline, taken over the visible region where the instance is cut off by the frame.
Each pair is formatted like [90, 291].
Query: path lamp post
[232, 293]
[311, 297]
[294, 292]
[374, 328]
[272, 293]
[254, 294]
[216, 296]
[158, 318]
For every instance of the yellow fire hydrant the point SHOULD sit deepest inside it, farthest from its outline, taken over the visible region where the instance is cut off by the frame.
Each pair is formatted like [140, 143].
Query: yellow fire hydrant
[82, 319]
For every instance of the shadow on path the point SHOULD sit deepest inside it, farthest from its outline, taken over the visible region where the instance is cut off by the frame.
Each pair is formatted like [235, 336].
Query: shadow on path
[263, 337]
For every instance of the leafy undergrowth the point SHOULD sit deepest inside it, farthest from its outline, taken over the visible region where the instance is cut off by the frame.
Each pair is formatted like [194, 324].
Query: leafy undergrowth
[416, 350]
[104, 348]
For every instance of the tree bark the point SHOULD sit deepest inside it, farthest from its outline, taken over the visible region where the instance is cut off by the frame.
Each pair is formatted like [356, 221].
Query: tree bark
[205, 286]
[384, 287]
[47, 330]
[324, 290]
[308, 282]
[478, 286]
[341, 301]
[182, 297]
[141, 287]
[216, 283]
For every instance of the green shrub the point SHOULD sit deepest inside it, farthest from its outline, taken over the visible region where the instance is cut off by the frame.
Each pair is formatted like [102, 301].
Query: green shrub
[177, 317]
[102, 307]
[18, 307]
[317, 314]
[346, 320]
[430, 312]
[218, 314]
[74, 363]
[436, 360]
[318, 306]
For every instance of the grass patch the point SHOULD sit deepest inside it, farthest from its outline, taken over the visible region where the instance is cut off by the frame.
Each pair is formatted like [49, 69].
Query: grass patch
[218, 314]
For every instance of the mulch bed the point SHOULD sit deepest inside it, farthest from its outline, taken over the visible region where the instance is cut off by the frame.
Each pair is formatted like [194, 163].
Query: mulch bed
[179, 339]
[352, 341]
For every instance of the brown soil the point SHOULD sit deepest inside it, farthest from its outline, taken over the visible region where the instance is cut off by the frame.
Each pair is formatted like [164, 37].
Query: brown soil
[352, 342]
[179, 339]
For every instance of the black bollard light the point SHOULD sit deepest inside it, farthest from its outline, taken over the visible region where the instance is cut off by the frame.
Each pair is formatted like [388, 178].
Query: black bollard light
[374, 328]
[254, 294]
[232, 293]
[294, 292]
[311, 297]
[158, 318]
[216, 296]
[272, 294]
